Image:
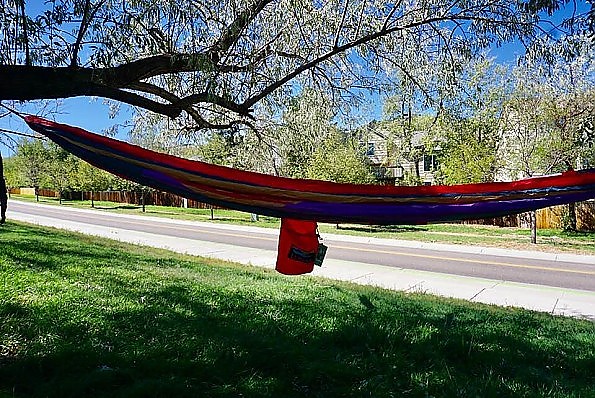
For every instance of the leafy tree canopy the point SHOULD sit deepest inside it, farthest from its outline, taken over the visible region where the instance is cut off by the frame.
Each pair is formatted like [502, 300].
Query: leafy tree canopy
[217, 63]
[340, 159]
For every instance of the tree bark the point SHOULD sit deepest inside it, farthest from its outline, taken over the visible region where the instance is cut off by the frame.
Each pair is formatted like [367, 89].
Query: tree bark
[3, 190]
[25, 83]
[533, 216]
[571, 222]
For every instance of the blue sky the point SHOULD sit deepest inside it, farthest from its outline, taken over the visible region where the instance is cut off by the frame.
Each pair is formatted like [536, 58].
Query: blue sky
[88, 113]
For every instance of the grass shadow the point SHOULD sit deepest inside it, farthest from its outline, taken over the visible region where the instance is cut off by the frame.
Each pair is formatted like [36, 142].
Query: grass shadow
[149, 323]
[119, 207]
[383, 228]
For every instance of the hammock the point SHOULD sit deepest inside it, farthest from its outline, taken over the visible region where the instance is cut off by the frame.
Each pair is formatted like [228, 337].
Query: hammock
[320, 201]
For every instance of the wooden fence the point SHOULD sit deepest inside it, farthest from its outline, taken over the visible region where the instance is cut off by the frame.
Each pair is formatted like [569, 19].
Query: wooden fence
[552, 217]
[549, 218]
[131, 197]
[136, 197]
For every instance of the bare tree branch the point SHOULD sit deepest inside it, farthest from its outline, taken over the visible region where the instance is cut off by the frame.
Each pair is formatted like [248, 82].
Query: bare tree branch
[338, 50]
[340, 25]
[88, 15]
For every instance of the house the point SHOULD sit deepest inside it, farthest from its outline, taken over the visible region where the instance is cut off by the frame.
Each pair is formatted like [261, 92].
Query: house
[398, 161]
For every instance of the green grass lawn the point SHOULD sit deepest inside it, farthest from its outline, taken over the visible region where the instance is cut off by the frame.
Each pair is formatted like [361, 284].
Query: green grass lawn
[514, 238]
[82, 316]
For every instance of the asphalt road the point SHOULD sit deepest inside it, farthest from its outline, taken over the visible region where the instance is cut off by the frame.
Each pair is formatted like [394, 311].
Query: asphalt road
[526, 270]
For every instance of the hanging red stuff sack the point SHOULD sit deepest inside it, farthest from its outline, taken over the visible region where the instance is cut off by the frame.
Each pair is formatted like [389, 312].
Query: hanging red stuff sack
[298, 246]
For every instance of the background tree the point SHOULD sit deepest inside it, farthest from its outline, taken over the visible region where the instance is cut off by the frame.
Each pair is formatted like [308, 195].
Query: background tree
[468, 126]
[90, 178]
[60, 170]
[548, 120]
[340, 159]
[305, 125]
[31, 160]
[12, 173]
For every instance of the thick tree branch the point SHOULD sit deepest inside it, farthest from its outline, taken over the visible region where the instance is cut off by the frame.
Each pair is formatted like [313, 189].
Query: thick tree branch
[31, 82]
[23, 83]
[235, 29]
[154, 66]
[171, 98]
[214, 99]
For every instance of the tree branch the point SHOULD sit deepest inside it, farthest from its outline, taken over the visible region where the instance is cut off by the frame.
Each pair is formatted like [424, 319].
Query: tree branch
[171, 98]
[337, 50]
[235, 29]
[87, 17]
[135, 100]
[340, 25]
[214, 99]
[26, 33]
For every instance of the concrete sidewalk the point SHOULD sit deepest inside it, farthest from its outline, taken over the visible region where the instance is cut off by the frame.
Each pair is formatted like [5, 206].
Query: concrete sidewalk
[576, 303]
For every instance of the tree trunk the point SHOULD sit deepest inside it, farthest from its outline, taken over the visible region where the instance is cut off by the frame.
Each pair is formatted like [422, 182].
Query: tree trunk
[417, 171]
[533, 216]
[142, 199]
[92, 199]
[571, 222]
[3, 190]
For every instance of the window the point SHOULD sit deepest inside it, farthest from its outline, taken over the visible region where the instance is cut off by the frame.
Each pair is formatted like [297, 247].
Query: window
[371, 149]
[430, 162]
[397, 171]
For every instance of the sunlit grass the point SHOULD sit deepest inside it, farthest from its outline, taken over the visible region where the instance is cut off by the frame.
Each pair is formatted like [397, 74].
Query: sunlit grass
[82, 316]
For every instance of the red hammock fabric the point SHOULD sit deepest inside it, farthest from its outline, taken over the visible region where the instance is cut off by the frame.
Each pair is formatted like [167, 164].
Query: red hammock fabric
[298, 245]
[317, 200]
[321, 201]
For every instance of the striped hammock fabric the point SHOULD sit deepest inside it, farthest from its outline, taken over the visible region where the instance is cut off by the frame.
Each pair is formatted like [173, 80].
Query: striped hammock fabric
[316, 200]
